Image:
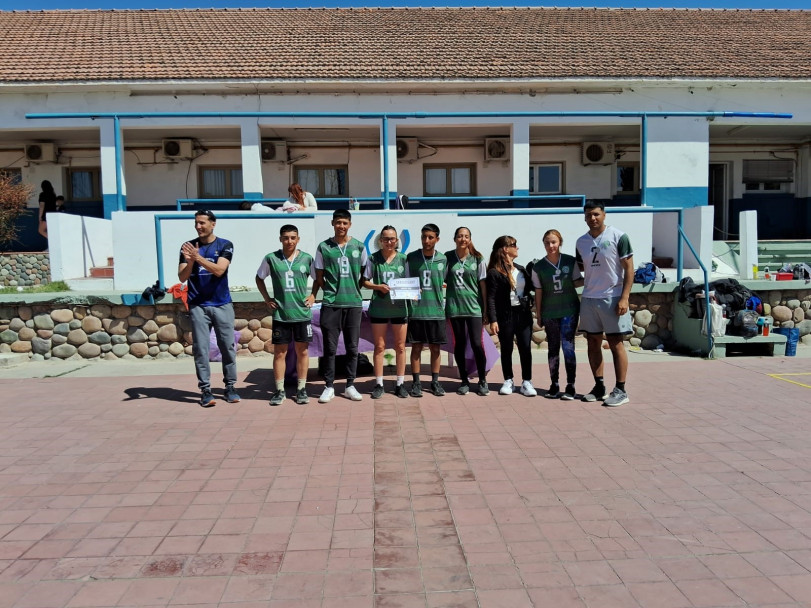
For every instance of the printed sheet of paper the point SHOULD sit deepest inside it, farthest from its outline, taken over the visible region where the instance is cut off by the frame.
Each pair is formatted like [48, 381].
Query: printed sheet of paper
[404, 289]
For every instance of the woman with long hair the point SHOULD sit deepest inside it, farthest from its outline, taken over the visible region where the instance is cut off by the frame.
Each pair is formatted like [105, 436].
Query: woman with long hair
[383, 265]
[509, 312]
[299, 199]
[464, 298]
[557, 307]
[47, 204]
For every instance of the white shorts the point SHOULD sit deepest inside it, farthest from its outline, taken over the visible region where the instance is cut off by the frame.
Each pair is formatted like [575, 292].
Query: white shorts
[599, 316]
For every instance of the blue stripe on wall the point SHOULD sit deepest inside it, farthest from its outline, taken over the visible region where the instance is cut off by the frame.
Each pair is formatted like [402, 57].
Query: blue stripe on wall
[252, 195]
[676, 197]
[111, 204]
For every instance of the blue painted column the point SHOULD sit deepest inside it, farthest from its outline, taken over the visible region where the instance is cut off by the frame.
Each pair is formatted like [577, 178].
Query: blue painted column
[519, 160]
[113, 182]
[676, 157]
[252, 183]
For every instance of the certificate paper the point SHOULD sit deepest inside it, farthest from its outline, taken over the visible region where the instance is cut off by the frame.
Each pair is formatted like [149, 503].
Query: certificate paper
[404, 289]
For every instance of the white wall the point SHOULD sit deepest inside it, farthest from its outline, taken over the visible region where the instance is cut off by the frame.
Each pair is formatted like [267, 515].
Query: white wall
[78, 243]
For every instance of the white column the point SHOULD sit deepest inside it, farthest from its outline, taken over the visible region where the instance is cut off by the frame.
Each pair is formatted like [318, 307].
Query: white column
[252, 184]
[108, 167]
[676, 160]
[519, 159]
[391, 131]
[748, 231]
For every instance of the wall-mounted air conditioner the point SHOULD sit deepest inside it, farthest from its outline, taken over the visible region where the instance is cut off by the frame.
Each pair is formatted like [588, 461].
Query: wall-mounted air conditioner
[40, 153]
[178, 148]
[274, 150]
[598, 153]
[407, 148]
[497, 148]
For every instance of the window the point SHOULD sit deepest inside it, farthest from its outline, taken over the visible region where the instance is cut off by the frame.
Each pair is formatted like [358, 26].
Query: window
[83, 183]
[324, 181]
[16, 174]
[627, 178]
[450, 180]
[546, 178]
[220, 182]
[767, 175]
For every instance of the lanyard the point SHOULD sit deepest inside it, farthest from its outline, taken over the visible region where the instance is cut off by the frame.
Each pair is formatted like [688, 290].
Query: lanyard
[289, 263]
[425, 261]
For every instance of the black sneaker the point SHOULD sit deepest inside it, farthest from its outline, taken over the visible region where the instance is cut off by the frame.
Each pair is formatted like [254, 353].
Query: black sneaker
[484, 388]
[207, 399]
[401, 391]
[416, 389]
[277, 398]
[436, 389]
[377, 391]
[463, 389]
[231, 395]
[595, 394]
[553, 392]
[570, 393]
[302, 397]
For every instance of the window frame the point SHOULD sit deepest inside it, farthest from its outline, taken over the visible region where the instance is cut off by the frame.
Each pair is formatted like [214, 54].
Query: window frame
[635, 165]
[534, 180]
[322, 169]
[780, 182]
[201, 169]
[96, 195]
[15, 172]
[448, 167]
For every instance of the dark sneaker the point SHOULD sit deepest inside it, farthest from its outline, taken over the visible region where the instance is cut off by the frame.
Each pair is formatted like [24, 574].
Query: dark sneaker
[570, 393]
[377, 391]
[207, 399]
[302, 397]
[553, 392]
[416, 389]
[231, 395]
[463, 389]
[617, 397]
[277, 398]
[484, 388]
[437, 390]
[595, 394]
[401, 391]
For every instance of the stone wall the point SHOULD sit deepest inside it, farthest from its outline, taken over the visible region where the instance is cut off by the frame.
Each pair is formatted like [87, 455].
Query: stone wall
[790, 308]
[24, 269]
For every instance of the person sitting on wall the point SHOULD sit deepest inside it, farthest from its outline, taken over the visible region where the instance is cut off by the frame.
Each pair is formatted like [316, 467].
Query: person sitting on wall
[299, 200]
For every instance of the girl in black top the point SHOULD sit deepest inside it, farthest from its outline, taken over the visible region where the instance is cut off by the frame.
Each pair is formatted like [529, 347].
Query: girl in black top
[47, 204]
[509, 312]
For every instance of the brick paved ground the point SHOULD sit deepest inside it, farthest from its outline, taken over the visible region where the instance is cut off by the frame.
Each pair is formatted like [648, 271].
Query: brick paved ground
[121, 491]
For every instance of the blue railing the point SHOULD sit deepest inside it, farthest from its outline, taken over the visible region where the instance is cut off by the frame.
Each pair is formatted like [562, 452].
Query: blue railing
[707, 315]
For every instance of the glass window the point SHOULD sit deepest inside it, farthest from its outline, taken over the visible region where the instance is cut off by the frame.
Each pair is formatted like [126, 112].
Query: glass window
[220, 182]
[627, 178]
[546, 178]
[83, 184]
[449, 180]
[324, 181]
[768, 175]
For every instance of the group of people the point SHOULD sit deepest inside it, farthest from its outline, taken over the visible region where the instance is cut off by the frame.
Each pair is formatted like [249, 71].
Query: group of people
[458, 286]
[49, 202]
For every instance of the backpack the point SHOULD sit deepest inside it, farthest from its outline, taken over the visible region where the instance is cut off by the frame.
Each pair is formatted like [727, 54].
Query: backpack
[753, 302]
[745, 323]
[649, 273]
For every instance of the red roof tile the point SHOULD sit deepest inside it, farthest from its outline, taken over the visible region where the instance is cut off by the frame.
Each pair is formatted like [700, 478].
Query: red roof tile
[403, 44]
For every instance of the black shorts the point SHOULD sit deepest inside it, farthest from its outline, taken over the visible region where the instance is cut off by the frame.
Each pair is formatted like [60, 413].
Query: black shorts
[384, 321]
[426, 331]
[298, 331]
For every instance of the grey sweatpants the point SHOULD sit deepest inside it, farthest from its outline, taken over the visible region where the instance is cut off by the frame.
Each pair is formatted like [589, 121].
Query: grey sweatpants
[221, 318]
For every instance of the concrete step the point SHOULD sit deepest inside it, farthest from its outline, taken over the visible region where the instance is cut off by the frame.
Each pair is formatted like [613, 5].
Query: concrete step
[91, 284]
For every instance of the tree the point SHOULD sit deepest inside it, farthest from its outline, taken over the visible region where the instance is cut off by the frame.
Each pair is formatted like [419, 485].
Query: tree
[14, 196]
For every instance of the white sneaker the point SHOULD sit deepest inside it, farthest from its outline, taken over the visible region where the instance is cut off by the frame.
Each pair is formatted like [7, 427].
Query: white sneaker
[507, 387]
[352, 393]
[527, 389]
[327, 395]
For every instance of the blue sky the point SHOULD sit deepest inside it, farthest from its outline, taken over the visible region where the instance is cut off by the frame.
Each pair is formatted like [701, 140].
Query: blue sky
[119, 4]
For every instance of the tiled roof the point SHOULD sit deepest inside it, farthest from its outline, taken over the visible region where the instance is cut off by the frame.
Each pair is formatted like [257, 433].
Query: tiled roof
[399, 44]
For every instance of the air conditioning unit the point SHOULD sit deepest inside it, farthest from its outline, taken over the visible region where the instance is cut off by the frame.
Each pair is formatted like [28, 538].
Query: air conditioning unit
[40, 153]
[598, 153]
[178, 148]
[274, 150]
[407, 148]
[497, 148]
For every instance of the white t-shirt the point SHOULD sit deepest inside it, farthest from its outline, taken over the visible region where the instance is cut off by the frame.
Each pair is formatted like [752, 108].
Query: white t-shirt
[309, 204]
[601, 260]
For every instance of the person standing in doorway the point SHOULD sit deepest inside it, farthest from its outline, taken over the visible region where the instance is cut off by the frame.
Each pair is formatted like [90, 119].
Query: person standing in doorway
[47, 204]
[339, 263]
[288, 269]
[204, 264]
[606, 259]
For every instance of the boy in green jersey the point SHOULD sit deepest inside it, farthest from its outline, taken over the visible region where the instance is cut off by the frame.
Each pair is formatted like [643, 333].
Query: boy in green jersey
[288, 269]
[339, 263]
[426, 320]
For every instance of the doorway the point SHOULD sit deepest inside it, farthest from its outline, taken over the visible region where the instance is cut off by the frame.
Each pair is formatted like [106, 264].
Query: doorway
[717, 193]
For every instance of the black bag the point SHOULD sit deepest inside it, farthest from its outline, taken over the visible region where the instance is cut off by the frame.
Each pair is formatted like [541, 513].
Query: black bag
[153, 293]
[744, 323]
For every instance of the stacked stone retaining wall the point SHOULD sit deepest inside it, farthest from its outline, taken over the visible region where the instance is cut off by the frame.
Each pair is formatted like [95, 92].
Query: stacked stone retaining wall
[24, 269]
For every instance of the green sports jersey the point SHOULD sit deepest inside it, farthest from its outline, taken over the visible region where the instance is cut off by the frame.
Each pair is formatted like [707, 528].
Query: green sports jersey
[431, 272]
[463, 296]
[558, 298]
[289, 283]
[378, 271]
[342, 266]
